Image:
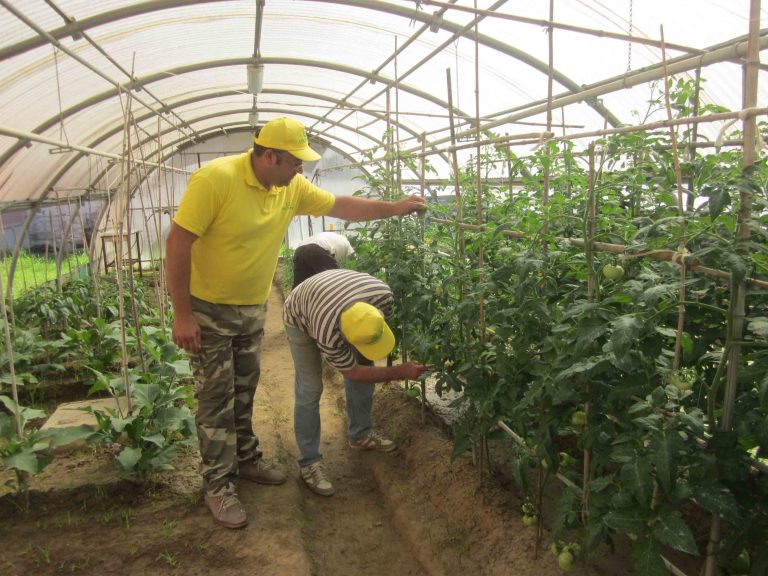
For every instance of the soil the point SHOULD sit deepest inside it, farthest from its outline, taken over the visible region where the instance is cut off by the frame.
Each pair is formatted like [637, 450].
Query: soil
[410, 512]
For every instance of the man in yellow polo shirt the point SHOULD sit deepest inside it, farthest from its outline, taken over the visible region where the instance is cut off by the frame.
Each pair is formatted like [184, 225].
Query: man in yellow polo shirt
[221, 255]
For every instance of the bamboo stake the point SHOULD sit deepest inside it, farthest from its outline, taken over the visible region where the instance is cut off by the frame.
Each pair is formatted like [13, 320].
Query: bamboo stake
[460, 246]
[681, 248]
[738, 289]
[455, 166]
[158, 220]
[91, 262]
[124, 177]
[591, 297]
[11, 365]
[480, 220]
[129, 220]
[692, 143]
[422, 191]
[53, 239]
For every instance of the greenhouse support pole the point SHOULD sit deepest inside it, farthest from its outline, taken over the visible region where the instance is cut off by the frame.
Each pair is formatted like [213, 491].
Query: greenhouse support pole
[738, 289]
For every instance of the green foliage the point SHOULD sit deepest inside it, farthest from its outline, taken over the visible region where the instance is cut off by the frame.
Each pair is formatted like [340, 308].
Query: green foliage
[146, 438]
[34, 271]
[28, 453]
[527, 343]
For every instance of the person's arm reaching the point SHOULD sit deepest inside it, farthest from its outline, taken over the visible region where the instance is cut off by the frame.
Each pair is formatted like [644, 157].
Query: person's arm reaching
[178, 255]
[357, 209]
[373, 374]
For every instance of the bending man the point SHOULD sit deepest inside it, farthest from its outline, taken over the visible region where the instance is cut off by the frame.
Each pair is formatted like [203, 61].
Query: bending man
[339, 315]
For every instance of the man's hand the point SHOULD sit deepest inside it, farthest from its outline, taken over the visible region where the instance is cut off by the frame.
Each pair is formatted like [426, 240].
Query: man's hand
[413, 204]
[412, 370]
[186, 333]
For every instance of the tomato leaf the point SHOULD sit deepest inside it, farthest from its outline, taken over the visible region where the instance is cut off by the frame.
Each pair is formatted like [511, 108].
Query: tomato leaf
[648, 559]
[716, 498]
[672, 531]
[625, 520]
[636, 476]
[625, 332]
[666, 446]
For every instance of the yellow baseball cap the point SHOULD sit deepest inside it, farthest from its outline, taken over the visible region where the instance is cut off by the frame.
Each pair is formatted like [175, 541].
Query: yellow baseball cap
[289, 135]
[365, 328]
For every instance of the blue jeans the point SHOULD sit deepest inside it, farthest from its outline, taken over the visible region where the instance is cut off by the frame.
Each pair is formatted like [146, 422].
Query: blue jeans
[307, 363]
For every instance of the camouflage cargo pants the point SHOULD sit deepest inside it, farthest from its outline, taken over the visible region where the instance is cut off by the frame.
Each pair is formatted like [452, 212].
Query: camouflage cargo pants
[226, 372]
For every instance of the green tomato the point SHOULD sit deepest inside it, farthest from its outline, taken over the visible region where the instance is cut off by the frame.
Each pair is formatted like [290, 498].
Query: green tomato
[530, 520]
[742, 562]
[680, 383]
[612, 272]
[554, 549]
[544, 464]
[578, 418]
[413, 392]
[565, 561]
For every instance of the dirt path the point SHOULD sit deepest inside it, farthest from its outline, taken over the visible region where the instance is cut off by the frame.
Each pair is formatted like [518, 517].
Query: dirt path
[350, 532]
[410, 512]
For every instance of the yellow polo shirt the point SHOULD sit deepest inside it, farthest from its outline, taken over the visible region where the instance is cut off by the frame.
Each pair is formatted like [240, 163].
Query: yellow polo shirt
[240, 225]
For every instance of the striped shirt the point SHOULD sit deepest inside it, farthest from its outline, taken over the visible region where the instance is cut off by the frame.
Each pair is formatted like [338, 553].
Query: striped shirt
[315, 307]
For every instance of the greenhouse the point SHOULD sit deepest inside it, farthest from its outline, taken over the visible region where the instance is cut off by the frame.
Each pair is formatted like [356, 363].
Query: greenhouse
[561, 208]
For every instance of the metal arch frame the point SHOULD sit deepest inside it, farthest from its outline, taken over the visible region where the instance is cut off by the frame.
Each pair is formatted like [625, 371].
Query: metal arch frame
[375, 5]
[139, 82]
[207, 96]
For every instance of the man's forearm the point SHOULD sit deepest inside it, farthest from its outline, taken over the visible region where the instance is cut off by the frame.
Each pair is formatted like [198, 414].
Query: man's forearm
[178, 271]
[374, 374]
[178, 274]
[359, 209]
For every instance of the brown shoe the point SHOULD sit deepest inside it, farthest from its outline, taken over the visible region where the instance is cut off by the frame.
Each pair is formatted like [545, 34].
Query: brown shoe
[226, 508]
[261, 472]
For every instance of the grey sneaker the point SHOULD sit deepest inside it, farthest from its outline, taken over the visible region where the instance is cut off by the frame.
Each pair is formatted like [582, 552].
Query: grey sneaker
[375, 442]
[315, 479]
[226, 508]
[261, 472]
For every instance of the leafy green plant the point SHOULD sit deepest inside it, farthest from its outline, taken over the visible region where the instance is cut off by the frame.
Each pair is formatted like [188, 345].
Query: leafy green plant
[29, 453]
[146, 438]
[532, 331]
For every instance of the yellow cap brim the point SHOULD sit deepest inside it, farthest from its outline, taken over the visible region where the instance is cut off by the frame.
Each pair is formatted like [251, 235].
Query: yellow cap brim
[305, 154]
[381, 348]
